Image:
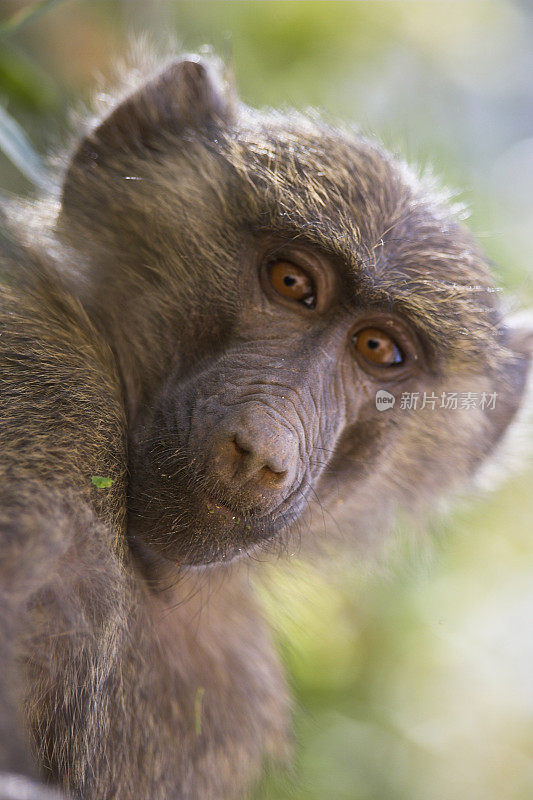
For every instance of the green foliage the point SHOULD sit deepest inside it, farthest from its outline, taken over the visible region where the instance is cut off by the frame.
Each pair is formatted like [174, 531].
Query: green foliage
[411, 683]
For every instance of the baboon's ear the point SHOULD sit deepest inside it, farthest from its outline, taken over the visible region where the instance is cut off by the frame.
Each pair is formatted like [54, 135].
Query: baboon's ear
[514, 390]
[188, 93]
[519, 332]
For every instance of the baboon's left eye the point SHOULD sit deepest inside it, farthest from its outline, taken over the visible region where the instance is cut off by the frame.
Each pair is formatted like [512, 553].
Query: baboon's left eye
[292, 282]
[378, 347]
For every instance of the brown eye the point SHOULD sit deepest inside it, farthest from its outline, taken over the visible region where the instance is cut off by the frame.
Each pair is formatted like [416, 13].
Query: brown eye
[292, 282]
[378, 347]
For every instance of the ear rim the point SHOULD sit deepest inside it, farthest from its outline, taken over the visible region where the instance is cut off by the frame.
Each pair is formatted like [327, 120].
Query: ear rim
[513, 443]
[512, 451]
[187, 92]
[518, 329]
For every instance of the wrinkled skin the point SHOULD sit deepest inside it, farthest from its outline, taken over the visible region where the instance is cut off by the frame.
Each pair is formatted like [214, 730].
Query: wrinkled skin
[287, 388]
[248, 409]
[205, 316]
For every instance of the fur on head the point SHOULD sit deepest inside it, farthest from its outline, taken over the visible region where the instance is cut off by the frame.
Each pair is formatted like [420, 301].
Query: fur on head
[177, 199]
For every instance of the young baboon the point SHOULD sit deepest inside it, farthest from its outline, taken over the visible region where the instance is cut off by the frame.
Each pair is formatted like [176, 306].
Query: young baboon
[192, 337]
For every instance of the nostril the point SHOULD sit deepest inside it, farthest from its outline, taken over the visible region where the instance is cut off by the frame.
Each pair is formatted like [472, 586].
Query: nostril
[271, 477]
[259, 461]
[239, 446]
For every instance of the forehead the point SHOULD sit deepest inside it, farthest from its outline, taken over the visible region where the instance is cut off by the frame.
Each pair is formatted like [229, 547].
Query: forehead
[340, 192]
[345, 193]
[393, 236]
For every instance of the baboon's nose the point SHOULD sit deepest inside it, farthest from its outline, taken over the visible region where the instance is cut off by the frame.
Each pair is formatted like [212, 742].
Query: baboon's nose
[253, 451]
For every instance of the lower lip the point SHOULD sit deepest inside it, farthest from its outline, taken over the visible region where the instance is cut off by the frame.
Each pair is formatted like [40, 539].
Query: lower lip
[219, 509]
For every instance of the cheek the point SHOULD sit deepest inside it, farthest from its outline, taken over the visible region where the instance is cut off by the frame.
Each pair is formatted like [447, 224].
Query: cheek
[366, 435]
[352, 392]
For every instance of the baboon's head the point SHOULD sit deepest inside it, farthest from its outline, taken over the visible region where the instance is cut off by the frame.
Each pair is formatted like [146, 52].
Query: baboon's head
[299, 321]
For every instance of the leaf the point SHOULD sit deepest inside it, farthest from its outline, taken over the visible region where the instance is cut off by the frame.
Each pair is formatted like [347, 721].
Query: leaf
[101, 482]
[24, 81]
[17, 147]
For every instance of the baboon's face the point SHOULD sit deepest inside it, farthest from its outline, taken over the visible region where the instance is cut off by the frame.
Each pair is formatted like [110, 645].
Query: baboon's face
[261, 278]
[276, 410]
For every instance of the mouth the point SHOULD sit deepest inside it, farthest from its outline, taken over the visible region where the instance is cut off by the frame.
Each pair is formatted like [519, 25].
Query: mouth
[190, 526]
[218, 509]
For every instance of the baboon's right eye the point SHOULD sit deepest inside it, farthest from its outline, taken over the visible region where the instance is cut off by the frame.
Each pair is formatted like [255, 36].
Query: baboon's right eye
[378, 347]
[292, 282]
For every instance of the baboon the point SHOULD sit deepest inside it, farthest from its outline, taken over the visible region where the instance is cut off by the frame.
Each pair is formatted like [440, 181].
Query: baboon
[193, 332]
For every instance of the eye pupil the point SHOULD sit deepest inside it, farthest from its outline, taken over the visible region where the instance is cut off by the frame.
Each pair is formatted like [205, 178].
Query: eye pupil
[292, 282]
[378, 347]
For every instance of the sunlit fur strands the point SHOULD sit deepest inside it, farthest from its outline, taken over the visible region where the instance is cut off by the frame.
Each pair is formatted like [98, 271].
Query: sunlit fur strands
[90, 645]
[393, 235]
[85, 652]
[126, 317]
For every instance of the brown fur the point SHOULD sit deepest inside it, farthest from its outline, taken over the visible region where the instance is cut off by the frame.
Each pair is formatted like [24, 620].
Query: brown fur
[125, 310]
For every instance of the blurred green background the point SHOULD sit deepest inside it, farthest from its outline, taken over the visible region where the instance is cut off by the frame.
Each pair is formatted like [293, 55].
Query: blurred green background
[413, 682]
